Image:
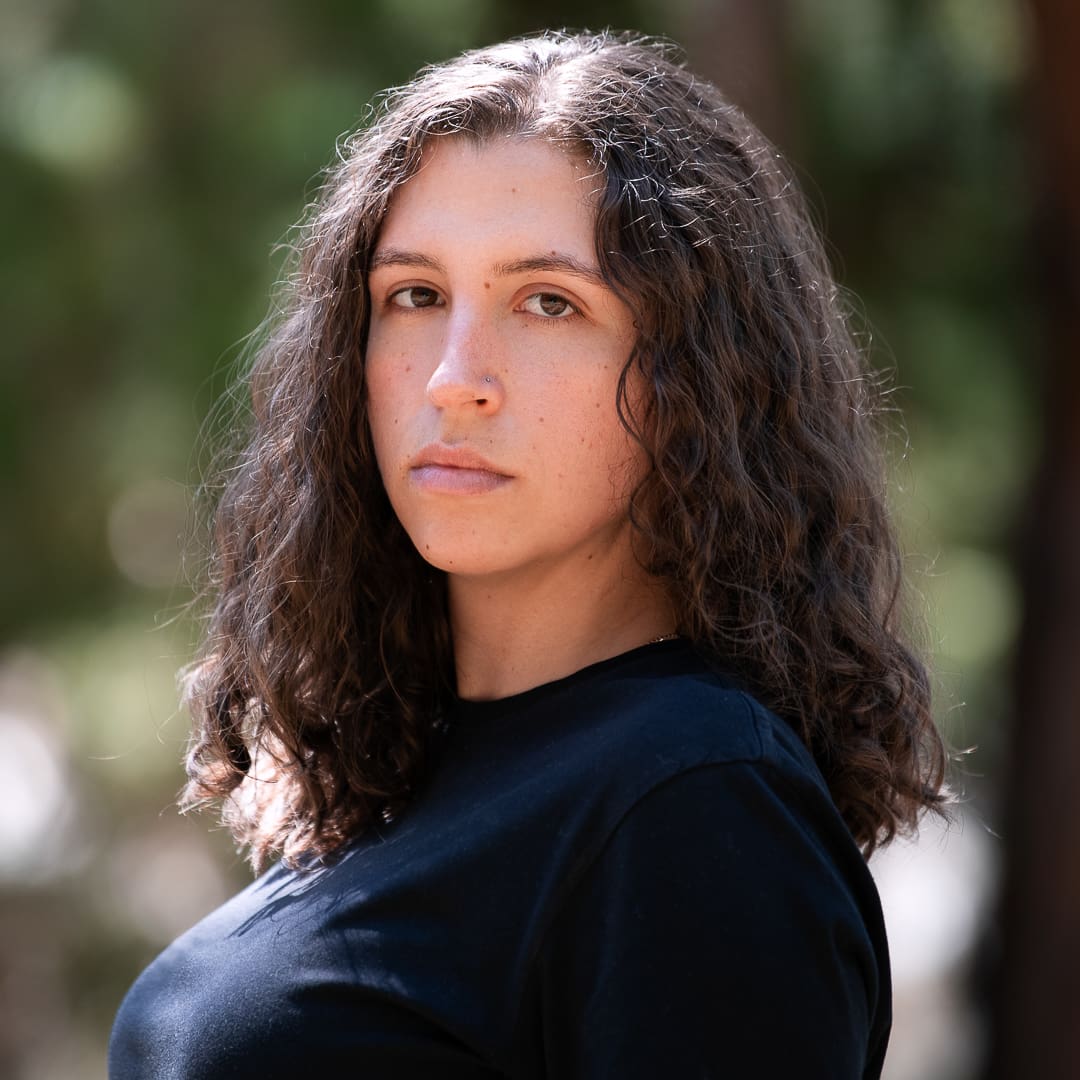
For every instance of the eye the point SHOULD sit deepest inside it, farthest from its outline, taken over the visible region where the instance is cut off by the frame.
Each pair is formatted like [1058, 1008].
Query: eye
[415, 296]
[549, 306]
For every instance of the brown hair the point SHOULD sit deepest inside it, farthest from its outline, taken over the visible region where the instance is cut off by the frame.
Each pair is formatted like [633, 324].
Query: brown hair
[328, 658]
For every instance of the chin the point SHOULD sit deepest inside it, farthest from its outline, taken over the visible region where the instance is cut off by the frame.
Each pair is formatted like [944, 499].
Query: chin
[460, 563]
[457, 554]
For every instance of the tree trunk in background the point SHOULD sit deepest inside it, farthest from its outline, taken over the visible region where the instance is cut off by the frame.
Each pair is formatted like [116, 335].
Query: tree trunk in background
[1036, 1023]
[741, 45]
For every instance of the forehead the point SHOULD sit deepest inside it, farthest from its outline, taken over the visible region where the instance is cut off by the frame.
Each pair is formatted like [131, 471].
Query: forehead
[474, 191]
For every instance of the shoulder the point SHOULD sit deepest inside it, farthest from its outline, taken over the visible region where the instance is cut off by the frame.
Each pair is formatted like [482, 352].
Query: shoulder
[662, 735]
[674, 714]
[679, 859]
[750, 929]
[730, 886]
[686, 762]
[646, 739]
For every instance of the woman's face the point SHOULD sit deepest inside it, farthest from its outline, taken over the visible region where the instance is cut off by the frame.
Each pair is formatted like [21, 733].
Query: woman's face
[492, 363]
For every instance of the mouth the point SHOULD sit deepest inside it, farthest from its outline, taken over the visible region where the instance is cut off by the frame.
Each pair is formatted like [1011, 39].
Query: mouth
[447, 470]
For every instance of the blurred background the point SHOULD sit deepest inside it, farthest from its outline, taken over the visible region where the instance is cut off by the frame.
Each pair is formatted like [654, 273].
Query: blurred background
[152, 155]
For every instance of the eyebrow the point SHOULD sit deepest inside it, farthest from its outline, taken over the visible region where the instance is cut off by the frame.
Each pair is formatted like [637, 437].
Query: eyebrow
[397, 257]
[551, 262]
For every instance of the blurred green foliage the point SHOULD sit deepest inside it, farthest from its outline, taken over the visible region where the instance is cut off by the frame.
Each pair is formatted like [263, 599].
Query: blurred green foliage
[153, 155]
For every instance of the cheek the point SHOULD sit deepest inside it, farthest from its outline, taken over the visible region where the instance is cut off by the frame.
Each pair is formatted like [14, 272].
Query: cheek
[629, 459]
[384, 396]
[390, 380]
[597, 456]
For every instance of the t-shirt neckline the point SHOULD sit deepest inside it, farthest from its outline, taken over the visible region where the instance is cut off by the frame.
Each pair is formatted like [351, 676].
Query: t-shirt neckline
[474, 711]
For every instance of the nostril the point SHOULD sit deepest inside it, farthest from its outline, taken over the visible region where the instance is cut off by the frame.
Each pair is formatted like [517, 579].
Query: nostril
[453, 385]
[487, 380]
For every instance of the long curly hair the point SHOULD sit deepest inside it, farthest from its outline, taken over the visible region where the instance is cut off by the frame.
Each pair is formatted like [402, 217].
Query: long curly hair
[328, 658]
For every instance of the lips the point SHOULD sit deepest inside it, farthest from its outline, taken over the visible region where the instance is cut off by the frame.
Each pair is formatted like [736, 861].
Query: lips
[449, 470]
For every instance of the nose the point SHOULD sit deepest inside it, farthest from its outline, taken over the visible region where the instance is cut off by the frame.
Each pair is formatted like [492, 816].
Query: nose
[463, 377]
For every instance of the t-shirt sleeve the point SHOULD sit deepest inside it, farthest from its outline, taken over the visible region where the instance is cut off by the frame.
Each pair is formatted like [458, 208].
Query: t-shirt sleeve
[716, 935]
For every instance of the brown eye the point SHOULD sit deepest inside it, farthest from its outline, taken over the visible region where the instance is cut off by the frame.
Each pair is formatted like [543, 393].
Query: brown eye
[415, 296]
[549, 306]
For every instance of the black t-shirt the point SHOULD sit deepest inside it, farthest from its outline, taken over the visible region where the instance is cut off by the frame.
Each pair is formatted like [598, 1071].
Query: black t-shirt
[635, 871]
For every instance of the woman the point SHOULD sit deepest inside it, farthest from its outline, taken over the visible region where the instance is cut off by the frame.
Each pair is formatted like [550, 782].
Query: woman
[555, 644]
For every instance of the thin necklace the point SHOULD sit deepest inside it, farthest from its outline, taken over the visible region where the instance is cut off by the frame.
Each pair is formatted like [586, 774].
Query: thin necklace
[662, 637]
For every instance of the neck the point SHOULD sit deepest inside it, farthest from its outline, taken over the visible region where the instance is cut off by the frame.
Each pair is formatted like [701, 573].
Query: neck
[514, 632]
